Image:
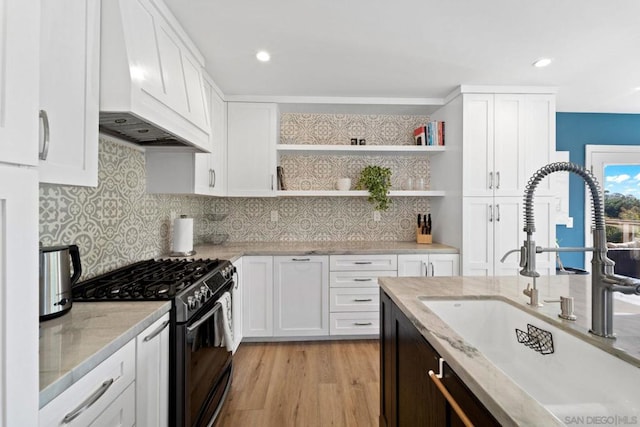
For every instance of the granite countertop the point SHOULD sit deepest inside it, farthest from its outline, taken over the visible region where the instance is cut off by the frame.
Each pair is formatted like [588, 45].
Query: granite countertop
[506, 401]
[235, 250]
[75, 343]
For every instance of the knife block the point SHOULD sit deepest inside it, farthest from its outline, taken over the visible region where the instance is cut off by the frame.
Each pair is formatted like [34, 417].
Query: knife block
[422, 238]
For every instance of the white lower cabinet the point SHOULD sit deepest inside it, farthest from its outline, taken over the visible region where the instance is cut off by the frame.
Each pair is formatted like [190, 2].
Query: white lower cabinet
[121, 412]
[236, 304]
[429, 265]
[257, 296]
[96, 394]
[301, 295]
[354, 292]
[152, 375]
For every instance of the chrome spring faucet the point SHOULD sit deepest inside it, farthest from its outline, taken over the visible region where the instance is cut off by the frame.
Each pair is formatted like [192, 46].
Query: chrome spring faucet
[603, 279]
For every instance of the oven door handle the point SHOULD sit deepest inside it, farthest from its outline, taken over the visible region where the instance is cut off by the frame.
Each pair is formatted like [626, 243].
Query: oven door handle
[204, 318]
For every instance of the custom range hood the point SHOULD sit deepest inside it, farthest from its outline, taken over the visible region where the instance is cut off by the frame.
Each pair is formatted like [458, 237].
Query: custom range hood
[151, 79]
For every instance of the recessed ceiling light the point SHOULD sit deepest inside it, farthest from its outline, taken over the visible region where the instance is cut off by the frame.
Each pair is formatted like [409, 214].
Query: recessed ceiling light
[263, 56]
[542, 62]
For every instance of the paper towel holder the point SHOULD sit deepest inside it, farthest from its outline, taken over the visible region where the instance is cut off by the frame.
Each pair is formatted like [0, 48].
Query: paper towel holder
[183, 253]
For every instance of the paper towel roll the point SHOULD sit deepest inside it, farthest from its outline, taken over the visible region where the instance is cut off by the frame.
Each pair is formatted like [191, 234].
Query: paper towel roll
[182, 235]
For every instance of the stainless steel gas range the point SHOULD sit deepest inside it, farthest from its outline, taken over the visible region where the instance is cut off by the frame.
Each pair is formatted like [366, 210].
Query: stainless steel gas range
[200, 366]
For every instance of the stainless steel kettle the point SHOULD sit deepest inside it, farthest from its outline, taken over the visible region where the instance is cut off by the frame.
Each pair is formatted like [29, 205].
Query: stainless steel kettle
[56, 279]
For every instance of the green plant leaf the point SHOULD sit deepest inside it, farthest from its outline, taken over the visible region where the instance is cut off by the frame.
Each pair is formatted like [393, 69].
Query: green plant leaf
[377, 180]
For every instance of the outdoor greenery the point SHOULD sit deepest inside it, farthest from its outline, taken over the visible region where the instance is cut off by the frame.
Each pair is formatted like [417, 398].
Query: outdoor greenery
[623, 207]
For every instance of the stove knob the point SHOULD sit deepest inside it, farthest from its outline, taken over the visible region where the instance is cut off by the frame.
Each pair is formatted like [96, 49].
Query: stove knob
[191, 303]
[196, 295]
[205, 293]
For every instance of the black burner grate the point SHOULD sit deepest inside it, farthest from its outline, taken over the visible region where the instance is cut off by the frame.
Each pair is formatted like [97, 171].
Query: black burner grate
[149, 280]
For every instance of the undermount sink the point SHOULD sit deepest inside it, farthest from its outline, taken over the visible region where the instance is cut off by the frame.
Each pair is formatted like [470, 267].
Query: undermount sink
[573, 379]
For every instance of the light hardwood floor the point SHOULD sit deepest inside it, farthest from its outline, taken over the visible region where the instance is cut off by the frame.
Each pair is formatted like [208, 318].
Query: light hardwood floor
[321, 383]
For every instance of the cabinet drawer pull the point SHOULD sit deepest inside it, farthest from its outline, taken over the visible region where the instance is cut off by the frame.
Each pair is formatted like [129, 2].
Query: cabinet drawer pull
[363, 323]
[88, 402]
[363, 299]
[213, 183]
[436, 380]
[300, 259]
[153, 334]
[363, 280]
[45, 135]
[363, 262]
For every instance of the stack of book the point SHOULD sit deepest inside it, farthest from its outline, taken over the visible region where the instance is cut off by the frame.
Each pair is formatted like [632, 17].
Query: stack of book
[431, 134]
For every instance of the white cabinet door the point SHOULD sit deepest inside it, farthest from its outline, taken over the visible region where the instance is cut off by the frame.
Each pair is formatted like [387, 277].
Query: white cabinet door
[18, 265]
[152, 374]
[210, 177]
[477, 153]
[444, 265]
[252, 134]
[301, 295]
[540, 138]
[508, 234]
[257, 296]
[70, 91]
[121, 412]
[19, 40]
[477, 236]
[508, 145]
[236, 303]
[429, 265]
[413, 265]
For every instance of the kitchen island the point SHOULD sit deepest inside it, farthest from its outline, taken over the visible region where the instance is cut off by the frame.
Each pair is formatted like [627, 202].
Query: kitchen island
[507, 402]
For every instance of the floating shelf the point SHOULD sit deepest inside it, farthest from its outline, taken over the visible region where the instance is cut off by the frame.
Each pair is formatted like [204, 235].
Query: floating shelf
[356, 193]
[412, 149]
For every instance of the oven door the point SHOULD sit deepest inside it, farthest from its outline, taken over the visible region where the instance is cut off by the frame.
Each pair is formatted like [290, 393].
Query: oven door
[207, 367]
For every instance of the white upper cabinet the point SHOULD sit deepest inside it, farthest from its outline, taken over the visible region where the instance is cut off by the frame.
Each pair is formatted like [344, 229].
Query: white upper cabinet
[69, 91]
[152, 70]
[19, 42]
[176, 171]
[252, 134]
[507, 137]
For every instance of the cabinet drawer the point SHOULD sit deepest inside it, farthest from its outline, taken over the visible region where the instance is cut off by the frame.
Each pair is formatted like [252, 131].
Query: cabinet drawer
[364, 323]
[357, 279]
[119, 367]
[121, 412]
[363, 262]
[354, 299]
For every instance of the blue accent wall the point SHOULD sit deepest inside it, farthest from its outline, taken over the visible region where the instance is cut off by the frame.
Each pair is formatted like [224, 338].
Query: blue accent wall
[573, 132]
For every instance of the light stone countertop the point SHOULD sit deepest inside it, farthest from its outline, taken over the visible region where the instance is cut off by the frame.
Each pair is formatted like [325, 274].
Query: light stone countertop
[235, 250]
[506, 401]
[76, 342]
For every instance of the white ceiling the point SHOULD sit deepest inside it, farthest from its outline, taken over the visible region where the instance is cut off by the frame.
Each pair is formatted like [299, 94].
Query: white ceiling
[421, 48]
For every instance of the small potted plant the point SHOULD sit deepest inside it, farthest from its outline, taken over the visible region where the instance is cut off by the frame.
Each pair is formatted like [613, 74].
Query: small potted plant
[377, 180]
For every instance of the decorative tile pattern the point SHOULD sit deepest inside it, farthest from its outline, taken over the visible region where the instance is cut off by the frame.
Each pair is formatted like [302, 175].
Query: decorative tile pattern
[338, 129]
[116, 223]
[318, 219]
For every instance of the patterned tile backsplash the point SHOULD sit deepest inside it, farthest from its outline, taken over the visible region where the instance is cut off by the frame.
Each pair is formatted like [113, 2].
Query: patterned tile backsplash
[117, 223]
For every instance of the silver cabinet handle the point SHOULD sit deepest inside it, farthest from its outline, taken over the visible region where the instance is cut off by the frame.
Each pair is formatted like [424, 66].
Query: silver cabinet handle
[213, 172]
[88, 402]
[363, 262]
[497, 180]
[209, 178]
[363, 323]
[300, 259]
[490, 213]
[433, 271]
[357, 279]
[426, 269]
[497, 212]
[45, 137]
[153, 334]
[363, 299]
[490, 180]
